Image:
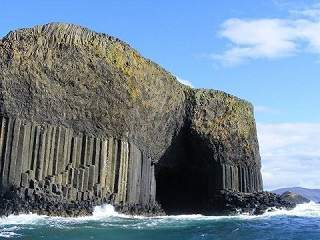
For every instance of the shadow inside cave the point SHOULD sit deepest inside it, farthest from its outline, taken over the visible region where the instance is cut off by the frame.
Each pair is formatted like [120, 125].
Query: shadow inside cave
[186, 177]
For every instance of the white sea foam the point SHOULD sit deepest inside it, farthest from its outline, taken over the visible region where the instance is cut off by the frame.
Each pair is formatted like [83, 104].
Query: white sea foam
[22, 219]
[9, 232]
[301, 210]
[106, 213]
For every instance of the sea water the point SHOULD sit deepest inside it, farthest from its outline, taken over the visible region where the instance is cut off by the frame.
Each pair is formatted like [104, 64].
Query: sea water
[301, 223]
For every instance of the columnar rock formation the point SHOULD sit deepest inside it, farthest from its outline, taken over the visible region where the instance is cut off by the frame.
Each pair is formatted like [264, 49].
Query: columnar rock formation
[75, 166]
[86, 118]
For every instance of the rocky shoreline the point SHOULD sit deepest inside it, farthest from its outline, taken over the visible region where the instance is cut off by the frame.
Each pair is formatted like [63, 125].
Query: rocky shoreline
[22, 201]
[257, 203]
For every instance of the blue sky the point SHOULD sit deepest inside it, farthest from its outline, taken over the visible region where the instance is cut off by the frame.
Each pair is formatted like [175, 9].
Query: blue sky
[267, 52]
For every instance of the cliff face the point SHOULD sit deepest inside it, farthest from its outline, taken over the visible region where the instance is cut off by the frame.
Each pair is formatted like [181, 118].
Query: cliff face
[217, 149]
[86, 118]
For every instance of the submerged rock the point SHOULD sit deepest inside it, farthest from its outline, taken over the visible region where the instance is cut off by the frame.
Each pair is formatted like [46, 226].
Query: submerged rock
[86, 120]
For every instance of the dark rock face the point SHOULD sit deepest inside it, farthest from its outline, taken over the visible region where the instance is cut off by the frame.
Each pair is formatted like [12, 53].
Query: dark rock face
[216, 150]
[24, 200]
[54, 165]
[294, 198]
[230, 203]
[85, 115]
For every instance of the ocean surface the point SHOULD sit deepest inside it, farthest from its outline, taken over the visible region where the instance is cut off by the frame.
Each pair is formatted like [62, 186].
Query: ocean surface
[301, 223]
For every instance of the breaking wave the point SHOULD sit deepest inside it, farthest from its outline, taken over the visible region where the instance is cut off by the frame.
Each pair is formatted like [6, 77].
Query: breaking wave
[105, 217]
[107, 211]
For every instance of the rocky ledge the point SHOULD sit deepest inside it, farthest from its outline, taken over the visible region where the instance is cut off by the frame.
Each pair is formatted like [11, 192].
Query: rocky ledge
[17, 201]
[23, 200]
[86, 120]
[248, 203]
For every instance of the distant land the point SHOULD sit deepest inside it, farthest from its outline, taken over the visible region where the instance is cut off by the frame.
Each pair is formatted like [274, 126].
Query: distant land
[311, 194]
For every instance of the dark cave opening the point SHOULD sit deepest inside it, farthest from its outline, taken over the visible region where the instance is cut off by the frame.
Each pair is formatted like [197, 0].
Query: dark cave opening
[183, 178]
[181, 191]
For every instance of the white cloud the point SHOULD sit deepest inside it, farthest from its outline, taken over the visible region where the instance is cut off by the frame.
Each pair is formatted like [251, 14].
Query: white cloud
[312, 12]
[185, 82]
[271, 38]
[290, 154]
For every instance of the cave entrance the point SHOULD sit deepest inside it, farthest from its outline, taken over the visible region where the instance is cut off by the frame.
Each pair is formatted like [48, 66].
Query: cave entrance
[182, 178]
[181, 190]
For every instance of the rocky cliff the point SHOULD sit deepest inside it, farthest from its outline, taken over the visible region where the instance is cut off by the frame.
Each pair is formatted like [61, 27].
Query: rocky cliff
[85, 120]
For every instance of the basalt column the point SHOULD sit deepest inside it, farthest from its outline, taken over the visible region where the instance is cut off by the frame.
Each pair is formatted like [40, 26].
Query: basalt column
[75, 166]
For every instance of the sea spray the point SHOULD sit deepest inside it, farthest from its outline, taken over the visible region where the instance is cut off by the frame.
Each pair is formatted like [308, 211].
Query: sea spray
[107, 223]
[107, 212]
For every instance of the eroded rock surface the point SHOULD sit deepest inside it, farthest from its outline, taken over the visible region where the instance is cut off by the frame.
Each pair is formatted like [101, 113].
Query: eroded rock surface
[85, 113]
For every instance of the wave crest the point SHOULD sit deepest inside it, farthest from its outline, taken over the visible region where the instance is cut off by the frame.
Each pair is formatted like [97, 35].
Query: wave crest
[107, 213]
